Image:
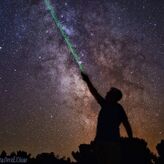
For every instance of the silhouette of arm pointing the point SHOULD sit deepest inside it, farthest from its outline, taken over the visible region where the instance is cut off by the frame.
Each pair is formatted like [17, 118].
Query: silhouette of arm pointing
[92, 89]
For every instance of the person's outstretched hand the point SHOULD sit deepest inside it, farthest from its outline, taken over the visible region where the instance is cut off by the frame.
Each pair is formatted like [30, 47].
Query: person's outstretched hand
[84, 76]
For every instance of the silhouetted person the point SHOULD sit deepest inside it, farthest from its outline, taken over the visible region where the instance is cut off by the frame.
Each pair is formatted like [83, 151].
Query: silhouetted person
[111, 114]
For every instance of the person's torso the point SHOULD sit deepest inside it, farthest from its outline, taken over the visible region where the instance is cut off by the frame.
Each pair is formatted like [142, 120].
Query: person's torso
[110, 117]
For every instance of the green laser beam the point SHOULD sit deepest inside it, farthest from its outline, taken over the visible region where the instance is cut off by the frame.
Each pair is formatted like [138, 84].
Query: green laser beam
[64, 35]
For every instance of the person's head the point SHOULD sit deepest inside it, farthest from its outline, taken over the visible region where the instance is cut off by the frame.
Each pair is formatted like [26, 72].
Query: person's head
[113, 95]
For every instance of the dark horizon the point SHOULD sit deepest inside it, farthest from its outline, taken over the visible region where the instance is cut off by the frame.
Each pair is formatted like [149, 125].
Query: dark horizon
[123, 151]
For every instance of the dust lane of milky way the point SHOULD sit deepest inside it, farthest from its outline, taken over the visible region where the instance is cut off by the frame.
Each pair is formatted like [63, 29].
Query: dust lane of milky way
[45, 105]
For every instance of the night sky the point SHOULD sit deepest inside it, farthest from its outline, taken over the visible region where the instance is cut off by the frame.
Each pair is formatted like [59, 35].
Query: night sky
[44, 104]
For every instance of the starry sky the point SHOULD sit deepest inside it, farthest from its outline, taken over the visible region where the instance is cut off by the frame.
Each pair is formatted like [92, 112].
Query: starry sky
[44, 104]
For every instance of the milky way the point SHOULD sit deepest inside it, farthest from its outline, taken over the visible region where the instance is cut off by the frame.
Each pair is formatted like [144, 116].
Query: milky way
[45, 105]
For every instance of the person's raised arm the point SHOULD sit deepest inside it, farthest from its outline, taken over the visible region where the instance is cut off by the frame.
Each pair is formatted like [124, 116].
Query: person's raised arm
[92, 89]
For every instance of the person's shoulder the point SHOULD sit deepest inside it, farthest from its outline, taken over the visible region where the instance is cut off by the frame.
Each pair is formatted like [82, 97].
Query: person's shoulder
[122, 111]
[119, 105]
